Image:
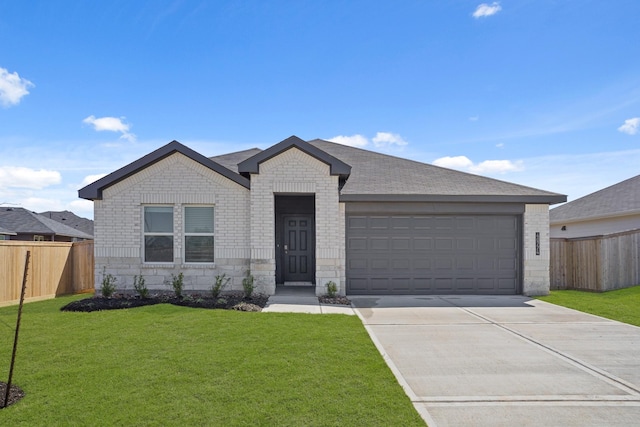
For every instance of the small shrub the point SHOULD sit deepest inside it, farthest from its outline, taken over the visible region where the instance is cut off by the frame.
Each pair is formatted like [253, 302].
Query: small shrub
[221, 282]
[140, 287]
[248, 285]
[221, 301]
[177, 283]
[332, 289]
[108, 287]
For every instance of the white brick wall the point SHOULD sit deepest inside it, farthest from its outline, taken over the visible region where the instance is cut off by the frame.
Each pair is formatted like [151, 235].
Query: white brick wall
[536, 266]
[295, 172]
[177, 181]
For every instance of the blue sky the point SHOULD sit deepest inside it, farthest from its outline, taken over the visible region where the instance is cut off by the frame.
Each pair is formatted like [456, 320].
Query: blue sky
[542, 93]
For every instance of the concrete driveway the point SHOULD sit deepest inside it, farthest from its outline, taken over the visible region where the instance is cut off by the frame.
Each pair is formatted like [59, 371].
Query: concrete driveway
[507, 360]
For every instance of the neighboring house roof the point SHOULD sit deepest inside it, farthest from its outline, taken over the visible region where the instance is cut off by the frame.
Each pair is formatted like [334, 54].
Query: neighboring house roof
[336, 166]
[619, 199]
[23, 221]
[371, 176]
[70, 220]
[94, 191]
[7, 232]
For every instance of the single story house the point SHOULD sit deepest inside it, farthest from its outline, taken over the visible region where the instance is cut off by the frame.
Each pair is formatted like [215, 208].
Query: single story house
[30, 226]
[313, 212]
[6, 234]
[614, 209]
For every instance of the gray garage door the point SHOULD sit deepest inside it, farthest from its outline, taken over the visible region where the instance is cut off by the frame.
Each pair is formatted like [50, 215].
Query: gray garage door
[443, 254]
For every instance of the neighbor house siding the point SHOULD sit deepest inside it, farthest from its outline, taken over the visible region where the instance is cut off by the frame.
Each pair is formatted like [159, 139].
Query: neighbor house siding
[596, 227]
[536, 256]
[176, 181]
[295, 172]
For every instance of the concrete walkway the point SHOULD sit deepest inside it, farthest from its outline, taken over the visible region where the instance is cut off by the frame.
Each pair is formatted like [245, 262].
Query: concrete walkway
[302, 300]
[505, 361]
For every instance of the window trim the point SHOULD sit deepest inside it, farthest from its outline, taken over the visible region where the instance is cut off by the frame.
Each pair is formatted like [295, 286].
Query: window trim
[186, 234]
[153, 233]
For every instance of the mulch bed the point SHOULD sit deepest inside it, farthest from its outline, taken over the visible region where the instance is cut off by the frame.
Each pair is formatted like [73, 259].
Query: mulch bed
[226, 301]
[335, 300]
[15, 394]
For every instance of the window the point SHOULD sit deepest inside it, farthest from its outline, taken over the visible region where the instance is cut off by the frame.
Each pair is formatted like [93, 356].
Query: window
[158, 234]
[198, 234]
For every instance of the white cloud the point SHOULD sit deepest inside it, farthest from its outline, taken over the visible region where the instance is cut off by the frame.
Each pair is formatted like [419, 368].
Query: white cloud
[352, 141]
[496, 166]
[111, 124]
[12, 88]
[381, 140]
[630, 126]
[486, 167]
[89, 179]
[40, 204]
[458, 162]
[386, 139]
[21, 177]
[474, 118]
[487, 10]
[83, 208]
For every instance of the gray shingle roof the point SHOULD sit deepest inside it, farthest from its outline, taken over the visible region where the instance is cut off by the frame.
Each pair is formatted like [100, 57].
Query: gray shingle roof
[370, 176]
[70, 220]
[23, 221]
[376, 174]
[7, 232]
[619, 199]
[231, 160]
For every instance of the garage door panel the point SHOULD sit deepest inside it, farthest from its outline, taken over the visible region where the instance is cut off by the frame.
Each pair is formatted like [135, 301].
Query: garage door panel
[422, 284]
[401, 264]
[465, 263]
[422, 243]
[433, 254]
[379, 243]
[380, 284]
[401, 244]
[444, 244]
[379, 264]
[379, 223]
[357, 243]
[465, 244]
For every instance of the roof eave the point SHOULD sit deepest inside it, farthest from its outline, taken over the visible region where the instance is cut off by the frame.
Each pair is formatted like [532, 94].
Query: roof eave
[94, 191]
[532, 199]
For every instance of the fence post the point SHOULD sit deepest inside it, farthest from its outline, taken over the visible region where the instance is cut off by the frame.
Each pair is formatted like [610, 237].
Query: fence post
[15, 339]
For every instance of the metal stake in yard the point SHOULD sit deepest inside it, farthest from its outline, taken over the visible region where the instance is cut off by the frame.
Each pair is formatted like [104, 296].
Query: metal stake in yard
[15, 340]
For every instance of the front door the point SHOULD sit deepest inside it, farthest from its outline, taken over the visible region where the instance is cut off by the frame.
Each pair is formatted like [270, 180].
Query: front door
[298, 249]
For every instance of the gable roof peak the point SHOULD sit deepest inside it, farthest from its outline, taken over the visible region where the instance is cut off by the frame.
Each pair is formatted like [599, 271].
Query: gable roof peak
[94, 191]
[336, 166]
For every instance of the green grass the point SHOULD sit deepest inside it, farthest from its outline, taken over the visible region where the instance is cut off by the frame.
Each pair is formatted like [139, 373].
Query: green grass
[622, 305]
[169, 365]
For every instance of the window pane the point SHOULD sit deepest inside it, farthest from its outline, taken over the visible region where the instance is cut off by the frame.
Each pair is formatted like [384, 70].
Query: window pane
[198, 219]
[158, 219]
[198, 249]
[158, 249]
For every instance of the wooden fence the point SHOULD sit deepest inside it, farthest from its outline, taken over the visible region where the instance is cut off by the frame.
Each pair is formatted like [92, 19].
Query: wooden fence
[55, 268]
[597, 264]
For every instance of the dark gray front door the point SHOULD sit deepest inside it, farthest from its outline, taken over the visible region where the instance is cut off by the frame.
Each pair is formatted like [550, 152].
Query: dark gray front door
[298, 249]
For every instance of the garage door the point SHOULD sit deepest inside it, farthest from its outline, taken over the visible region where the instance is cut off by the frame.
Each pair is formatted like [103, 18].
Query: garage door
[440, 254]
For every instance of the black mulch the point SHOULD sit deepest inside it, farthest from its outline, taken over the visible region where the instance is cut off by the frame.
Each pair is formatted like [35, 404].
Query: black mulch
[226, 301]
[15, 394]
[325, 299]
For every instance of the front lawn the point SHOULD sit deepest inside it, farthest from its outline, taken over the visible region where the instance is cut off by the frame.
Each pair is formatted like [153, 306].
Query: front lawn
[171, 365]
[622, 304]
